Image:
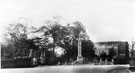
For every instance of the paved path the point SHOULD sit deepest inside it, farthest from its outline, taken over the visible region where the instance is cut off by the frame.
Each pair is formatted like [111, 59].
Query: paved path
[71, 69]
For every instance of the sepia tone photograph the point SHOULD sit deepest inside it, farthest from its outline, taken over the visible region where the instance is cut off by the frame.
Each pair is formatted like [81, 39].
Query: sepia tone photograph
[67, 36]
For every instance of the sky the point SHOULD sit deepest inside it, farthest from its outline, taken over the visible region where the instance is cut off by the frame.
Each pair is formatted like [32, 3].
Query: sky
[104, 20]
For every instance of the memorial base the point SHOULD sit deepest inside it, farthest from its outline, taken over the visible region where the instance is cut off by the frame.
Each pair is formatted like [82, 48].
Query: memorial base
[80, 59]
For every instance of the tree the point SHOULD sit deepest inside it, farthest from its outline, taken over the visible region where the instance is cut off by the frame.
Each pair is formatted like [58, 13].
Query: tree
[103, 55]
[132, 48]
[67, 38]
[17, 38]
[7, 51]
[111, 54]
[55, 31]
[71, 42]
[88, 49]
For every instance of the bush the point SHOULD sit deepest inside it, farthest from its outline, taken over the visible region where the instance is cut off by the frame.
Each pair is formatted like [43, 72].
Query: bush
[16, 63]
[121, 60]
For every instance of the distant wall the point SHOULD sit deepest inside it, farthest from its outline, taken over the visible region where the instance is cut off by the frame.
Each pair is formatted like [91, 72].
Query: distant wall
[16, 63]
[121, 60]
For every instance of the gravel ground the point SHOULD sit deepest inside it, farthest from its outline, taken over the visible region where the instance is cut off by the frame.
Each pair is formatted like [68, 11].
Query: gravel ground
[71, 69]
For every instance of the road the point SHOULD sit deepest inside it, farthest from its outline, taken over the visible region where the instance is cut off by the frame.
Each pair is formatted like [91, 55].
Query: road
[71, 69]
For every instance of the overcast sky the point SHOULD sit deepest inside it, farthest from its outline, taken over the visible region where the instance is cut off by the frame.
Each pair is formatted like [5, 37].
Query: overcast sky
[105, 20]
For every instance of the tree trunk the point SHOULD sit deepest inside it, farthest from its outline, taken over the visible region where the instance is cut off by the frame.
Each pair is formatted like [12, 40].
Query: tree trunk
[53, 53]
[31, 53]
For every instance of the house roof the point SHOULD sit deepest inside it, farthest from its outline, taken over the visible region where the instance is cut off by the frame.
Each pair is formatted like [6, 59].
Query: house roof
[110, 42]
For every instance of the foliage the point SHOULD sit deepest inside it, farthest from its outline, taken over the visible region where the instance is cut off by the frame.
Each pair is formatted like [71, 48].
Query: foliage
[17, 40]
[112, 53]
[67, 38]
[62, 36]
[87, 50]
[103, 56]
[7, 51]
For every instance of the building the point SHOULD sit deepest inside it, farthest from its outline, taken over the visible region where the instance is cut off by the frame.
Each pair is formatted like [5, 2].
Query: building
[120, 49]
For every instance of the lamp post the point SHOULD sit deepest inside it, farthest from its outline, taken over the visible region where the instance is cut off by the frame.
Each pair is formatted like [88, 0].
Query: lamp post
[79, 57]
